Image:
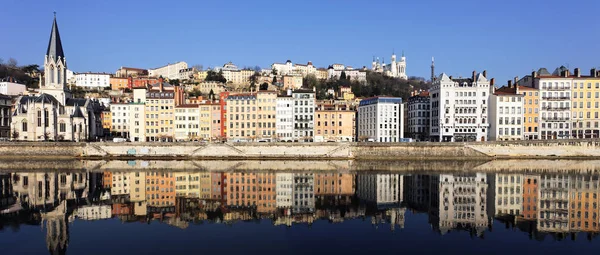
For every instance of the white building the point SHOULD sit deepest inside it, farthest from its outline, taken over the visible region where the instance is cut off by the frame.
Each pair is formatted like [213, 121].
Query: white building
[94, 212]
[303, 193]
[92, 80]
[506, 114]
[335, 72]
[418, 116]
[461, 200]
[284, 189]
[508, 190]
[380, 119]
[381, 189]
[459, 108]
[187, 122]
[304, 115]
[11, 88]
[120, 115]
[555, 99]
[170, 71]
[187, 74]
[283, 68]
[396, 69]
[284, 118]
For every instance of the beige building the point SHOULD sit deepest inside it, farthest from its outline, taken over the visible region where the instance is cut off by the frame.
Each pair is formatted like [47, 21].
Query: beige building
[170, 71]
[161, 100]
[266, 101]
[335, 121]
[241, 117]
[322, 74]
[292, 82]
[205, 117]
[137, 116]
[187, 122]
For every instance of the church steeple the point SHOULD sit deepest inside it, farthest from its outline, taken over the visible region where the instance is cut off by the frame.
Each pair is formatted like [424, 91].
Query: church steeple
[55, 49]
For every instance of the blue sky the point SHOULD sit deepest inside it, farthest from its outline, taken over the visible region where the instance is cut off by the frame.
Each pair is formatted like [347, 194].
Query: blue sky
[508, 37]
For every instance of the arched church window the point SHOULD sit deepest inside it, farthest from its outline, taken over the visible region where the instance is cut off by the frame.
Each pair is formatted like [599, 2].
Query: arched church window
[59, 75]
[62, 127]
[39, 118]
[24, 126]
[46, 118]
[51, 73]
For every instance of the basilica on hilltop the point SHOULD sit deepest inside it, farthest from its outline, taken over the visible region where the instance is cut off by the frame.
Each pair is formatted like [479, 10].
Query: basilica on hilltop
[396, 69]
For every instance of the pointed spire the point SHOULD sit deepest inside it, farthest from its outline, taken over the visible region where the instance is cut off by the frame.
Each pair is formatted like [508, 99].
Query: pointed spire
[402, 53]
[55, 45]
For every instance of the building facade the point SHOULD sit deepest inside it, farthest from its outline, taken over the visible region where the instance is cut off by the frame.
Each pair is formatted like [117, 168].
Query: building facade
[284, 123]
[459, 108]
[396, 69]
[506, 114]
[380, 119]
[170, 71]
[335, 122]
[92, 80]
[304, 115]
[418, 119]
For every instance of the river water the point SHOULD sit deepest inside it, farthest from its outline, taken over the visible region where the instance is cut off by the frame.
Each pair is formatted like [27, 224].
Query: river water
[85, 211]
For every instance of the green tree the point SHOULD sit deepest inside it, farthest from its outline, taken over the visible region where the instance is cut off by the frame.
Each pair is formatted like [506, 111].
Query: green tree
[343, 75]
[274, 71]
[211, 95]
[274, 79]
[264, 86]
[214, 76]
[174, 82]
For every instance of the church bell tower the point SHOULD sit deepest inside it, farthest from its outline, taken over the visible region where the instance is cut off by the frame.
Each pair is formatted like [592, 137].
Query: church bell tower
[55, 67]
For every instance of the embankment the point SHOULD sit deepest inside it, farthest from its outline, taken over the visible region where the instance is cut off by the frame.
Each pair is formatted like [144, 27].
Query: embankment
[564, 149]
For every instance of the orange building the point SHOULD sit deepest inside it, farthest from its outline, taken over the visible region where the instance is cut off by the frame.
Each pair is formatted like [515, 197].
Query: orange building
[335, 121]
[160, 189]
[119, 83]
[334, 184]
[107, 180]
[583, 200]
[252, 189]
[530, 196]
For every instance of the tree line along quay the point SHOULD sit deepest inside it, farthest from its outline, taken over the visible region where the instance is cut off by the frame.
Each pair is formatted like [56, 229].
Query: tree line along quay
[292, 103]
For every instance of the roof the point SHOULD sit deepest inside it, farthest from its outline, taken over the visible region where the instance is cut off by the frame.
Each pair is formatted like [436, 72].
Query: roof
[505, 90]
[132, 68]
[526, 88]
[75, 101]
[187, 106]
[77, 113]
[543, 71]
[55, 48]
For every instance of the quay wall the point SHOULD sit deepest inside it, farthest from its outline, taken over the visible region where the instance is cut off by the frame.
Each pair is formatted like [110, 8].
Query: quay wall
[584, 149]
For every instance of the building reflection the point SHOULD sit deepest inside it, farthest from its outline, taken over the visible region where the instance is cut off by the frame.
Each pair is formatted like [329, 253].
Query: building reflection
[545, 204]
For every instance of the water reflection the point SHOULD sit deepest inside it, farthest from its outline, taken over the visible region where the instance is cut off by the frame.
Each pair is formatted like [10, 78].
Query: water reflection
[539, 204]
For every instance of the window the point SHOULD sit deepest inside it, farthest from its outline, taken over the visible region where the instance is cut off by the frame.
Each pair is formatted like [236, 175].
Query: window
[62, 127]
[39, 118]
[24, 128]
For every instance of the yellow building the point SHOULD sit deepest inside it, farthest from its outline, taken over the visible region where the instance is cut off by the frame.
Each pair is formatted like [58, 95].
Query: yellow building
[200, 75]
[585, 104]
[531, 113]
[106, 119]
[266, 102]
[241, 117]
[205, 121]
[335, 121]
[322, 74]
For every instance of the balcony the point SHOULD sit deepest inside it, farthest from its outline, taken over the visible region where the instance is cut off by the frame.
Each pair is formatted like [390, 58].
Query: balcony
[552, 98]
[555, 119]
[549, 108]
[556, 88]
[302, 120]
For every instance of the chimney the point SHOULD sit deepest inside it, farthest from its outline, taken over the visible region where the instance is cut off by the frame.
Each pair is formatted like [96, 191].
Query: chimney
[593, 72]
[534, 74]
[509, 83]
[577, 73]
[160, 83]
[450, 77]
[485, 73]
[492, 81]
[565, 73]
[473, 74]
[515, 80]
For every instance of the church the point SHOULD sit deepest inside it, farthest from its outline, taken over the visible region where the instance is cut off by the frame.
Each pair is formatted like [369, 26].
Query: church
[396, 69]
[53, 114]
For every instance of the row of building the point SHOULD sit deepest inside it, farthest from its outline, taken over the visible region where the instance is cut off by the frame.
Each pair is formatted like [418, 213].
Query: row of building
[542, 105]
[556, 203]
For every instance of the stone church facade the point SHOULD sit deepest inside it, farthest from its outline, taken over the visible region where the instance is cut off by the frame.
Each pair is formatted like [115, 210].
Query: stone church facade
[53, 114]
